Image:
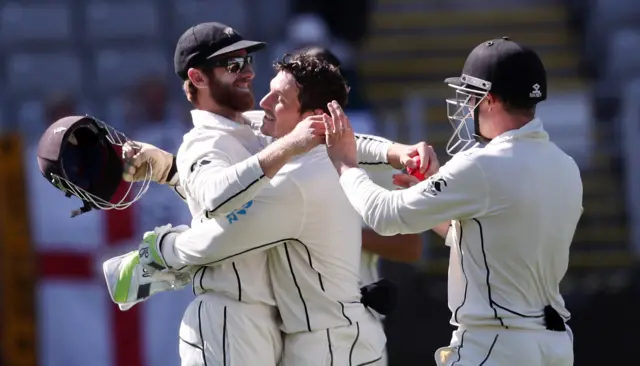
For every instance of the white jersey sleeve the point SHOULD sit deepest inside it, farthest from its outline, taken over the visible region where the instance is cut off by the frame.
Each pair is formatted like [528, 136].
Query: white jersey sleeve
[272, 216]
[372, 151]
[458, 191]
[213, 179]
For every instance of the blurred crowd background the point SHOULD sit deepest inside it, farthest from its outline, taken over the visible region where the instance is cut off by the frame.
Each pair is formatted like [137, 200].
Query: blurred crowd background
[113, 59]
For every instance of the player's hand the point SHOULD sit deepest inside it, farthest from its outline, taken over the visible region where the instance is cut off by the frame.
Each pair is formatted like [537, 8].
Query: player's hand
[405, 180]
[340, 139]
[150, 256]
[401, 156]
[307, 134]
[144, 161]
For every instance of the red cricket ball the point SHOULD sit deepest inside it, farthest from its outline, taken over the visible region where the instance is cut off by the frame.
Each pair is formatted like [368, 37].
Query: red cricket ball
[416, 171]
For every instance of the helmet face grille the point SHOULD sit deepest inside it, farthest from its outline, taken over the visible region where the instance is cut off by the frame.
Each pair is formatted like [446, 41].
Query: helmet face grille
[460, 112]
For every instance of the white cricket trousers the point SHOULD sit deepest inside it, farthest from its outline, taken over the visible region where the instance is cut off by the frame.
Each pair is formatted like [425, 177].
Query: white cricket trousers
[496, 346]
[359, 344]
[217, 330]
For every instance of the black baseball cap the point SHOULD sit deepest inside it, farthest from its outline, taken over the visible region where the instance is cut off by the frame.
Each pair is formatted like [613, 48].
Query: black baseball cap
[505, 68]
[205, 41]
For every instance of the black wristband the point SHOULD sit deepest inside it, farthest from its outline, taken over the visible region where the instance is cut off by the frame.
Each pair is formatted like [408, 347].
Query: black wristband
[173, 170]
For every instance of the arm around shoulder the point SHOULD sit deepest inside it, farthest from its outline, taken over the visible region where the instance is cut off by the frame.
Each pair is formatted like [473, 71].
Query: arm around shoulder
[271, 217]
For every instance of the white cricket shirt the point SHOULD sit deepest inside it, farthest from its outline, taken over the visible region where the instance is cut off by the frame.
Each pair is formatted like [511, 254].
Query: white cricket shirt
[219, 173]
[515, 205]
[222, 179]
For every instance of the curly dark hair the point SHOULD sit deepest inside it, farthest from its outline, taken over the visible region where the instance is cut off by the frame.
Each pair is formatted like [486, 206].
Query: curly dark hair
[319, 82]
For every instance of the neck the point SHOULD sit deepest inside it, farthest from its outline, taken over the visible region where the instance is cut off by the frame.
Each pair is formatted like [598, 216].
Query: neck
[233, 115]
[508, 123]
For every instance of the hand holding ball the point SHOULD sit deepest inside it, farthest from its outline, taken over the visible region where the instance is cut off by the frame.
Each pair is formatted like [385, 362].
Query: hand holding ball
[416, 171]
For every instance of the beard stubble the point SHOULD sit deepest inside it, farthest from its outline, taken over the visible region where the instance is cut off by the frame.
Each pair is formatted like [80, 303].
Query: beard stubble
[227, 96]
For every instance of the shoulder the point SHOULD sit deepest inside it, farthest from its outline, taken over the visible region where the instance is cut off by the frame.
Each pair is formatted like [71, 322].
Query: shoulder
[311, 167]
[206, 141]
[466, 171]
[208, 137]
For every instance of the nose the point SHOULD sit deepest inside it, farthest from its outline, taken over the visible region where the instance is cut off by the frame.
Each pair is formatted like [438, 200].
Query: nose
[247, 72]
[265, 103]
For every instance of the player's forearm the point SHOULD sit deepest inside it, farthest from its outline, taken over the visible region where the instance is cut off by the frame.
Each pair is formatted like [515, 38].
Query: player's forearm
[244, 231]
[220, 191]
[372, 151]
[398, 248]
[387, 212]
[276, 155]
[207, 244]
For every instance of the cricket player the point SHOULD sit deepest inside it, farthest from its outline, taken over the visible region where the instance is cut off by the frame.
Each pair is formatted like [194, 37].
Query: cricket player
[314, 263]
[512, 203]
[221, 167]
[398, 248]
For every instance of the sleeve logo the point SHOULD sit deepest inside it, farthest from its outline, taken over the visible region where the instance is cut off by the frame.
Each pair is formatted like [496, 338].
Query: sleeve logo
[198, 164]
[234, 216]
[435, 185]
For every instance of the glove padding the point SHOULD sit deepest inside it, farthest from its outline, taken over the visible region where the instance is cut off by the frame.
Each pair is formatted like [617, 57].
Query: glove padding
[149, 250]
[381, 296]
[129, 282]
[139, 157]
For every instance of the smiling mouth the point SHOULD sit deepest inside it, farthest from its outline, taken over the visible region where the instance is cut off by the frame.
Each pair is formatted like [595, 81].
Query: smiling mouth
[243, 85]
[268, 118]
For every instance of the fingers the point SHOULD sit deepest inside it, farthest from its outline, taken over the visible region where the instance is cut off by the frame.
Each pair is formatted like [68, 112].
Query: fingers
[132, 171]
[405, 180]
[335, 116]
[424, 152]
[315, 117]
[129, 149]
[410, 163]
[433, 166]
[319, 128]
[329, 136]
[342, 117]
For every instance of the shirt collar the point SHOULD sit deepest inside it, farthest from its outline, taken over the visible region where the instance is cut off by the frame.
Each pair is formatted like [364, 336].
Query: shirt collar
[533, 130]
[207, 119]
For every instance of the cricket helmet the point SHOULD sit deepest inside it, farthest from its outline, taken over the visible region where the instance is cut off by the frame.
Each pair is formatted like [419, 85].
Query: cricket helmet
[501, 67]
[82, 156]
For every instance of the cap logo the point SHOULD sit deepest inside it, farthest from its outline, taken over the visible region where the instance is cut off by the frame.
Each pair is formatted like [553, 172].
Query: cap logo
[228, 31]
[536, 93]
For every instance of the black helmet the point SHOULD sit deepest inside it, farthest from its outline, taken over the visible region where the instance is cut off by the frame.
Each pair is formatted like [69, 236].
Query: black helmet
[82, 156]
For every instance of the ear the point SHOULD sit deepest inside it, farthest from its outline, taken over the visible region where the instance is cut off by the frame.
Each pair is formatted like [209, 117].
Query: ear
[197, 78]
[490, 99]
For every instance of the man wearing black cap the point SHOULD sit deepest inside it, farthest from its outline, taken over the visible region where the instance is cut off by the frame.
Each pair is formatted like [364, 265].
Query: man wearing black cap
[513, 202]
[222, 165]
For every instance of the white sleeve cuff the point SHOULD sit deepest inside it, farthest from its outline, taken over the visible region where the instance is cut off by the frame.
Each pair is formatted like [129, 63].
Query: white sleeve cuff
[250, 170]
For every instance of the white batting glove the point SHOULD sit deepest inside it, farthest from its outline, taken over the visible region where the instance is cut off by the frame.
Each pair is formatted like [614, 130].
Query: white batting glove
[129, 282]
[140, 156]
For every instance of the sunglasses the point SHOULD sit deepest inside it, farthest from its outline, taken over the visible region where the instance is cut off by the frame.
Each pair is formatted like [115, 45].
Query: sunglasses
[233, 64]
